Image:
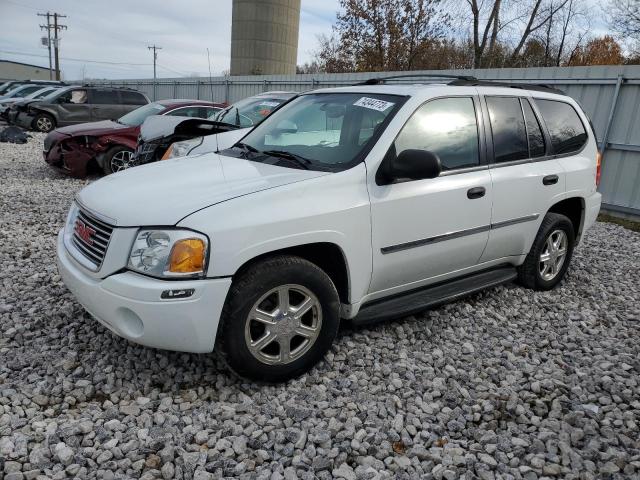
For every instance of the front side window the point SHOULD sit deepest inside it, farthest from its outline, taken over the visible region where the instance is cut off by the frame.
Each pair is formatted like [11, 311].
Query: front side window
[446, 127]
[565, 127]
[324, 130]
[508, 128]
[78, 96]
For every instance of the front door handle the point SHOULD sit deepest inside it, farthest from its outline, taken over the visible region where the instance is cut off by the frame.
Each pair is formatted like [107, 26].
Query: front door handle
[476, 192]
[550, 180]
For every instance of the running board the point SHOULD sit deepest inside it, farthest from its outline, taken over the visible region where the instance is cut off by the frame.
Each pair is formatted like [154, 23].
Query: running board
[431, 296]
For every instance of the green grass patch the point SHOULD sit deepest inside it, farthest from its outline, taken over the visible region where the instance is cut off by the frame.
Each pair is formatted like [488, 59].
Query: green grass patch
[626, 223]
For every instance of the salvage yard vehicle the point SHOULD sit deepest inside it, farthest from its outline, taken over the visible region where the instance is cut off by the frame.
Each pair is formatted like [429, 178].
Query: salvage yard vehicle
[361, 203]
[72, 105]
[11, 84]
[6, 104]
[162, 138]
[108, 146]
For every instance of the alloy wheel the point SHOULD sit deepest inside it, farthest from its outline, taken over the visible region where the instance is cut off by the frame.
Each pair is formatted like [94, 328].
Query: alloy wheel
[553, 255]
[44, 124]
[283, 324]
[121, 160]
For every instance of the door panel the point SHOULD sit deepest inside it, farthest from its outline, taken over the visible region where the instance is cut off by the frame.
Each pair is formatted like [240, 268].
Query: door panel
[73, 107]
[425, 228]
[526, 179]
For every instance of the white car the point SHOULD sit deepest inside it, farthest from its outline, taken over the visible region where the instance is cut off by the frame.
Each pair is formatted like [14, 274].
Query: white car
[358, 203]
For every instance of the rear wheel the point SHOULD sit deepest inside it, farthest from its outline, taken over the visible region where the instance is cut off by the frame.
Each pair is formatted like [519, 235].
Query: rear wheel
[548, 260]
[117, 159]
[43, 122]
[280, 318]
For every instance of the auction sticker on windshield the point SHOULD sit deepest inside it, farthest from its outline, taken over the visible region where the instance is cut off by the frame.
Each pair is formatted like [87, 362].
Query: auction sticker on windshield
[269, 104]
[373, 104]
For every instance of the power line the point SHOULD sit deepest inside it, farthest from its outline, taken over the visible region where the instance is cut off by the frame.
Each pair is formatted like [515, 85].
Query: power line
[67, 59]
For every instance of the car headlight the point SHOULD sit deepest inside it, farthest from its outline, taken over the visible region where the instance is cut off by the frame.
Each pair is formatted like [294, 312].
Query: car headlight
[169, 253]
[182, 149]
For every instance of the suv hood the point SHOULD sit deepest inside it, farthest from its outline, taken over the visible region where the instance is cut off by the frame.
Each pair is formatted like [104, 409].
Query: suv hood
[165, 192]
[93, 128]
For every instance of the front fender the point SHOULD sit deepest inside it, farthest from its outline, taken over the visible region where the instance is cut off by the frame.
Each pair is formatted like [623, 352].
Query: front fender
[329, 209]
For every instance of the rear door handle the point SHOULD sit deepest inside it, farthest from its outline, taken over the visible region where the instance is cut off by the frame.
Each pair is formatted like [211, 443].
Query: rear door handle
[476, 192]
[550, 180]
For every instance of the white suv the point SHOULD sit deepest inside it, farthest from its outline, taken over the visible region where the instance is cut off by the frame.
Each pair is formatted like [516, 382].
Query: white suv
[363, 203]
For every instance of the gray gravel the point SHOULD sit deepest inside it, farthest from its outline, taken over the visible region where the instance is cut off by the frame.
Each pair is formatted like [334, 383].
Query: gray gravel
[510, 384]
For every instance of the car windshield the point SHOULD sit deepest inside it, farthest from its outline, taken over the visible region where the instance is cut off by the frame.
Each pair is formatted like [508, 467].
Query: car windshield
[45, 92]
[15, 91]
[137, 116]
[324, 131]
[250, 111]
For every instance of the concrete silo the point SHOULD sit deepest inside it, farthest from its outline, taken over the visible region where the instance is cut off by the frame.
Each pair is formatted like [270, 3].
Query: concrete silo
[264, 37]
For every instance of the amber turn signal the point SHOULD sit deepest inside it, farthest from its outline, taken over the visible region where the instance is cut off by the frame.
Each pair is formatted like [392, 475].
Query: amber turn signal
[167, 154]
[187, 256]
[598, 168]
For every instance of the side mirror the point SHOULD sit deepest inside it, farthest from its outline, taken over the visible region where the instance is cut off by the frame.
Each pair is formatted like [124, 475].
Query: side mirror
[416, 165]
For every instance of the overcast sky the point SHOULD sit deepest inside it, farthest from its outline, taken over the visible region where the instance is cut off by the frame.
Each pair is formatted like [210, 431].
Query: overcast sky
[119, 31]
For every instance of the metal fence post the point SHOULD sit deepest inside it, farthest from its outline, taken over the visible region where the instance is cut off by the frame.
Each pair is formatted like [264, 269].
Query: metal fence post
[175, 89]
[612, 112]
[264, 85]
[198, 89]
[227, 85]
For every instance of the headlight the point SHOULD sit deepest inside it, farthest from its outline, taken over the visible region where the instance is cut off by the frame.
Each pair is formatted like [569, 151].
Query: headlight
[169, 253]
[182, 149]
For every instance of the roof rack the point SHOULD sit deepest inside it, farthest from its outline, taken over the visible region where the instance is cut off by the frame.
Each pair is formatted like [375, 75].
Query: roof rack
[539, 87]
[383, 80]
[466, 80]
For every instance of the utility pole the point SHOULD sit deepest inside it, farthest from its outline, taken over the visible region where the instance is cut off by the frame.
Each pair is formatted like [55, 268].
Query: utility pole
[47, 27]
[55, 27]
[155, 58]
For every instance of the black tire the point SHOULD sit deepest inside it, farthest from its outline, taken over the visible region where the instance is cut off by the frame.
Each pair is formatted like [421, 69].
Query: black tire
[529, 274]
[43, 122]
[248, 288]
[108, 164]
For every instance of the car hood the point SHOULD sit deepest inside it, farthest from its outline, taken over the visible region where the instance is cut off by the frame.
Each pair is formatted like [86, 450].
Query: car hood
[159, 126]
[94, 128]
[165, 192]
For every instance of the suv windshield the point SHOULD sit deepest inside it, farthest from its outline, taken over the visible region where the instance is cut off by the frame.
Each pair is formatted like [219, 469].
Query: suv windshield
[249, 112]
[137, 116]
[324, 131]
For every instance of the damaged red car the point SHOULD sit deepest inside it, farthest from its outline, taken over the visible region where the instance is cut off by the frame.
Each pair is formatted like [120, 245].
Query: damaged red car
[108, 146]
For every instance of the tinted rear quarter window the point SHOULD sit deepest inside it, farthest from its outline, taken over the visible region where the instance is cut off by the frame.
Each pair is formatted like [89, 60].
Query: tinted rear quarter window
[105, 97]
[508, 128]
[565, 127]
[133, 98]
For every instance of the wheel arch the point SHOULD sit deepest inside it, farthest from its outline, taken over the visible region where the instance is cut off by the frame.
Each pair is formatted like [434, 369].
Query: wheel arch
[326, 255]
[574, 209]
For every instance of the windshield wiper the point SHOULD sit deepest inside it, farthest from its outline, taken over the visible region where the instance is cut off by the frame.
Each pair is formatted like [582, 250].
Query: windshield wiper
[303, 162]
[246, 148]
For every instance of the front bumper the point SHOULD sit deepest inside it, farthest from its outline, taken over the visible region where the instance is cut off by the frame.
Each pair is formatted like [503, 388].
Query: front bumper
[129, 305]
[24, 120]
[61, 152]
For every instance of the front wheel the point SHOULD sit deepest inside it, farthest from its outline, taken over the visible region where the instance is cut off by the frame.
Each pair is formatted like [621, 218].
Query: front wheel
[44, 123]
[280, 318]
[550, 254]
[117, 159]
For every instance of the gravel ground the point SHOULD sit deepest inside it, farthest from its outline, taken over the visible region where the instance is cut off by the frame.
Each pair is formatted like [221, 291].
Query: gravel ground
[509, 384]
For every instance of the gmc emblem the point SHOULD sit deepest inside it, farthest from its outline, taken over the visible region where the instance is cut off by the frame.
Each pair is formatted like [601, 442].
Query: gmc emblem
[84, 232]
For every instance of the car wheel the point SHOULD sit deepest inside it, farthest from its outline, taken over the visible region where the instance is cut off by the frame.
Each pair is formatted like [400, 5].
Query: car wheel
[117, 159]
[43, 122]
[280, 318]
[548, 260]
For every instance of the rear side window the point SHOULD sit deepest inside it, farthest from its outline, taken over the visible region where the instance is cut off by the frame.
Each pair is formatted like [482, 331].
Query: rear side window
[508, 128]
[105, 97]
[565, 127]
[132, 98]
[446, 127]
[534, 132]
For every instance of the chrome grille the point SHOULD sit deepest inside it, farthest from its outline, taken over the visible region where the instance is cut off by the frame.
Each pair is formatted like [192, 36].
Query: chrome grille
[91, 237]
